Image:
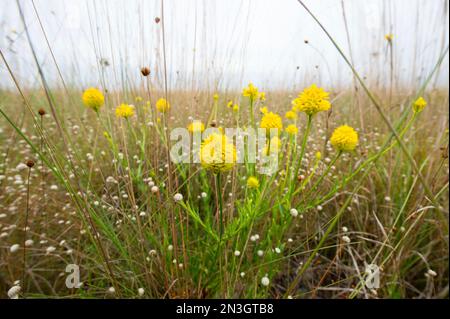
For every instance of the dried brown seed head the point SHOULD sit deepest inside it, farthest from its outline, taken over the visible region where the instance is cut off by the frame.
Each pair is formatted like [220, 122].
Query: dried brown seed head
[145, 71]
[41, 112]
[30, 163]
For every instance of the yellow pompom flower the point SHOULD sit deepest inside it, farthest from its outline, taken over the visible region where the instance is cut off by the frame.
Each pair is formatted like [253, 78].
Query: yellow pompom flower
[318, 156]
[312, 100]
[344, 138]
[419, 105]
[252, 182]
[271, 120]
[290, 115]
[230, 104]
[264, 110]
[162, 105]
[291, 129]
[250, 91]
[125, 110]
[93, 98]
[389, 37]
[196, 127]
[217, 153]
[235, 108]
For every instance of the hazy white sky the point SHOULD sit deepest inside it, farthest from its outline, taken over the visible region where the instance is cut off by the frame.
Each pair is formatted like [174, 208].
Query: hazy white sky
[225, 43]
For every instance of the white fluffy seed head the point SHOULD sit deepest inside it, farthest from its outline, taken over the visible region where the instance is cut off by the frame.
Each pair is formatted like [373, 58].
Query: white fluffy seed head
[14, 248]
[178, 197]
[294, 212]
[265, 281]
[237, 253]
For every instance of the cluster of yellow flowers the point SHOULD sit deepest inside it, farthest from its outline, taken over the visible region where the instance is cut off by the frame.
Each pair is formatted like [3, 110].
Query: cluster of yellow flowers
[162, 105]
[419, 105]
[312, 100]
[250, 91]
[125, 110]
[252, 182]
[217, 153]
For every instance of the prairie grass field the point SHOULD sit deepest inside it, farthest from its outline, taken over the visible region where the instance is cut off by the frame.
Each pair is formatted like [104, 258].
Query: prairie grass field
[345, 196]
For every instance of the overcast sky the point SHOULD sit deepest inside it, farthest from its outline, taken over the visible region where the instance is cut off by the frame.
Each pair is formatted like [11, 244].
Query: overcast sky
[225, 43]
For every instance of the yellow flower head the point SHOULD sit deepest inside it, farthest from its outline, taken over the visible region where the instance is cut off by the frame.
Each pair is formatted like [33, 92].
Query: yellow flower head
[291, 129]
[162, 105]
[264, 110]
[262, 96]
[138, 99]
[125, 110]
[252, 182]
[196, 127]
[230, 104]
[93, 98]
[271, 120]
[389, 37]
[235, 108]
[217, 153]
[290, 115]
[275, 146]
[312, 100]
[344, 138]
[250, 91]
[318, 156]
[216, 97]
[419, 105]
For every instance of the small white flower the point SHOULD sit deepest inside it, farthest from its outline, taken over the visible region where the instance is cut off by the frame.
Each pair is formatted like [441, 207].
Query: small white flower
[170, 247]
[242, 274]
[21, 167]
[141, 291]
[178, 197]
[265, 281]
[344, 229]
[260, 253]
[319, 208]
[204, 195]
[277, 250]
[50, 249]
[294, 212]
[14, 248]
[237, 253]
[346, 239]
[387, 199]
[29, 242]
[111, 290]
[432, 273]
[154, 189]
[13, 292]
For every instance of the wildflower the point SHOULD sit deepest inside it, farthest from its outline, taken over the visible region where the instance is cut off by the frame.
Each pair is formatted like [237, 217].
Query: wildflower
[290, 115]
[196, 127]
[252, 182]
[264, 110]
[141, 292]
[230, 104]
[217, 153]
[292, 129]
[178, 197]
[250, 91]
[262, 96]
[235, 108]
[312, 100]
[111, 290]
[216, 97]
[271, 120]
[14, 248]
[138, 99]
[344, 229]
[294, 212]
[50, 249]
[318, 156]
[29, 242]
[203, 195]
[162, 105]
[260, 253]
[344, 138]
[93, 99]
[145, 71]
[154, 189]
[389, 37]
[431, 273]
[265, 281]
[237, 253]
[419, 105]
[13, 292]
[125, 110]
[346, 239]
